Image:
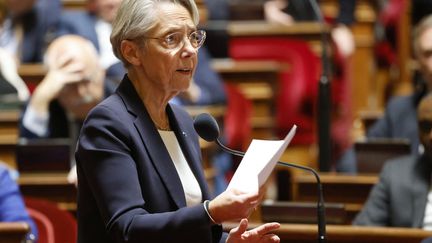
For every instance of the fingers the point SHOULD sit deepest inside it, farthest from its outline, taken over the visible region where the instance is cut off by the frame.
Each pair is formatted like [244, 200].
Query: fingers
[250, 198]
[262, 233]
[266, 228]
[270, 238]
[240, 229]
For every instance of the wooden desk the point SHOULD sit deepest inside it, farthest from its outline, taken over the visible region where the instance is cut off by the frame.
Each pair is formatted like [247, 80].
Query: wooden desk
[258, 80]
[50, 186]
[8, 135]
[351, 190]
[309, 31]
[8, 124]
[13, 232]
[301, 233]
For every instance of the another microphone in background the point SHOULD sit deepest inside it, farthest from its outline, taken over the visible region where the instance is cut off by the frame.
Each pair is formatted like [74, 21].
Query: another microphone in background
[208, 129]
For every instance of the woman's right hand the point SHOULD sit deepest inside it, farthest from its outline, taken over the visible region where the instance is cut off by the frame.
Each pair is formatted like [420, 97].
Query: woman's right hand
[260, 234]
[234, 205]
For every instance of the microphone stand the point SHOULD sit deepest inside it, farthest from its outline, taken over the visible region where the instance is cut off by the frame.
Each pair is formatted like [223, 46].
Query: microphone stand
[320, 204]
[324, 109]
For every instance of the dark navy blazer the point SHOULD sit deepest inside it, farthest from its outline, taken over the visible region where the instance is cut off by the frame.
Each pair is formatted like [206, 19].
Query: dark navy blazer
[129, 189]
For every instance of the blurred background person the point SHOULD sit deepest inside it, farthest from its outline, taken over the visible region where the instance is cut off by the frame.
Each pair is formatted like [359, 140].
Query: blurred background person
[74, 83]
[403, 196]
[287, 12]
[13, 91]
[138, 157]
[29, 27]
[12, 207]
[399, 120]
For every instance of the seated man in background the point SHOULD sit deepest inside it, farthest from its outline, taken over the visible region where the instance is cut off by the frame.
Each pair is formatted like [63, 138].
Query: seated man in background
[399, 120]
[12, 207]
[74, 83]
[403, 196]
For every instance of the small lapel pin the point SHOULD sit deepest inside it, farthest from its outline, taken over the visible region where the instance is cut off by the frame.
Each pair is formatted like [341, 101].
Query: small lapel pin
[184, 134]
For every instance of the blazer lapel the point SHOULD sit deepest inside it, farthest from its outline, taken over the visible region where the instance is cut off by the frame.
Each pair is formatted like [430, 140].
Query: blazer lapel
[153, 143]
[193, 154]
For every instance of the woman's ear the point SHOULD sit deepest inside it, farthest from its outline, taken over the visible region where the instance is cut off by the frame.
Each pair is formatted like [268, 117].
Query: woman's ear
[131, 52]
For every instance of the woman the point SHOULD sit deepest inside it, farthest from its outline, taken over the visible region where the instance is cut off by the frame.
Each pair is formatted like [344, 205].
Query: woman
[138, 158]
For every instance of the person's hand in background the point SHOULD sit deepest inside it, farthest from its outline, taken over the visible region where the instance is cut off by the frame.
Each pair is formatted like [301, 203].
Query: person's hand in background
[62, 71]
[344, 39]
[273, 12]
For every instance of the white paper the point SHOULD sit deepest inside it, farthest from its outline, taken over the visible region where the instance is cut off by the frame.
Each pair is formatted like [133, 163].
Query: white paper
[258, 163]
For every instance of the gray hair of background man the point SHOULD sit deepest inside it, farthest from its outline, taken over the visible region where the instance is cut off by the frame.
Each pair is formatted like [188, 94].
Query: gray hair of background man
[80, 47]
[136, 17]
[424, 24]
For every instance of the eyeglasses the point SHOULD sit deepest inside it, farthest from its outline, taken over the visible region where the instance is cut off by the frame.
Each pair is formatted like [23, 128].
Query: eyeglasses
[176, 40]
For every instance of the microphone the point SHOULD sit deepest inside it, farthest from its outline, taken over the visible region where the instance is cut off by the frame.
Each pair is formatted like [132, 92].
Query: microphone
[208, 129]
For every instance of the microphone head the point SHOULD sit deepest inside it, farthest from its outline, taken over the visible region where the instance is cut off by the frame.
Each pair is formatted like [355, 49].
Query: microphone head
[206, 127]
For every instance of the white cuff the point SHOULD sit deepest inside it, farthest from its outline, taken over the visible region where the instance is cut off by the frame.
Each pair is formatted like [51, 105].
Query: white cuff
[36, 122]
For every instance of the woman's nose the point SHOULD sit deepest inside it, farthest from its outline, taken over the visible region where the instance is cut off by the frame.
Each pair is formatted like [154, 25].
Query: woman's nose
[188, 50]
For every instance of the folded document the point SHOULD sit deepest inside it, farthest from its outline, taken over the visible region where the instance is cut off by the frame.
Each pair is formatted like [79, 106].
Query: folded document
[257, 164]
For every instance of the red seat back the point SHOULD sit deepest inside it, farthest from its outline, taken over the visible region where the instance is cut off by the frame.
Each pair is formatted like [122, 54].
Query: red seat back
[297, 95]
[54, 224]
[237, 121]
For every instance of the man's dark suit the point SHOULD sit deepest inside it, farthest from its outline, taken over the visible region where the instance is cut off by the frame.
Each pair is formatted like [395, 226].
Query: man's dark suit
[399, 199]
[128, 185]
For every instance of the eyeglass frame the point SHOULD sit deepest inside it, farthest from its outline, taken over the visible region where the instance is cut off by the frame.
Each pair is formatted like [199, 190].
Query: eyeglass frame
[189, 37]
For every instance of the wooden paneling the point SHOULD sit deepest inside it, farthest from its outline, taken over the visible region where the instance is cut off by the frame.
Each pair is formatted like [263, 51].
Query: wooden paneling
[50, 186]
[351, 190]
[258, 81]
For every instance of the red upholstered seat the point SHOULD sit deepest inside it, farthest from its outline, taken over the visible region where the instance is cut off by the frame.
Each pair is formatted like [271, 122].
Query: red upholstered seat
[297, 95]
[237, 120]
[237, 124]
[54, 224]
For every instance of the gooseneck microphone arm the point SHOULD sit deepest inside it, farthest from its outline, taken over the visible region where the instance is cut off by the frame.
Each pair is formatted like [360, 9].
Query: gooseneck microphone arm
[208, 129]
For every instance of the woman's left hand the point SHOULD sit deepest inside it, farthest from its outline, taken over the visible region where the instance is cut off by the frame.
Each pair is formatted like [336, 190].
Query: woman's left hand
[260, 234]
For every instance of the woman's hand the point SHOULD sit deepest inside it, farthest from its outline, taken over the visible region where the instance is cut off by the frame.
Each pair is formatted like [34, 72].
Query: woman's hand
[259, 234]
[234, 205]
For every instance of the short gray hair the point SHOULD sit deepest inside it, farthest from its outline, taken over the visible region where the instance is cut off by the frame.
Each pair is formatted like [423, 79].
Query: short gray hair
[422, 26]
[136, 17]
